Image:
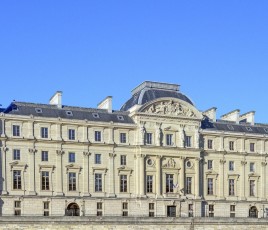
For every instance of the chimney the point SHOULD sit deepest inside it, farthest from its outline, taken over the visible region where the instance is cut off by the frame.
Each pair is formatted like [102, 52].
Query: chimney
[211, 113]
[248, 117]
[106, 104]
[56, 99]
[232, 116]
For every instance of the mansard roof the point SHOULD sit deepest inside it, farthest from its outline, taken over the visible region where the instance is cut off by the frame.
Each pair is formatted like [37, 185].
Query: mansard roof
[67, 112]
[149, 91]
[229, 126]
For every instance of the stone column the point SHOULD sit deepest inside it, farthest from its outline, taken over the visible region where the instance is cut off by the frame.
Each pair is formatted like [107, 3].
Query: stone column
[136, 171]
[111, 135]
[197, 160]
[222, 147]
[182, 176]
[86, 173]
[111, 175]
[243, 180]
[4, 181]
[158, 134]
[242, 150]
[196, 139]
[32, 171]
[59, 171]
[3, 128]
[31, 129]
[158, 184]
[263, 193]
[222, 182]
[142, 175]
[58, 132]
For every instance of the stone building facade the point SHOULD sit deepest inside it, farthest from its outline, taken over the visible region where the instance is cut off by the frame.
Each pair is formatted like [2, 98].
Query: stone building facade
[159, 156]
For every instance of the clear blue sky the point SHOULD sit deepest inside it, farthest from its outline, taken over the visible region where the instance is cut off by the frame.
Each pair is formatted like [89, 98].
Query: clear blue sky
[216, 50]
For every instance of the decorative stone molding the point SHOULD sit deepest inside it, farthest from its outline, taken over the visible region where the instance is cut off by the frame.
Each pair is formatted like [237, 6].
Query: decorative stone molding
[112, 155]
[86, 154]
[32, 150]
[170, 163]
[59, 152]
[222, 161]
[243, 162]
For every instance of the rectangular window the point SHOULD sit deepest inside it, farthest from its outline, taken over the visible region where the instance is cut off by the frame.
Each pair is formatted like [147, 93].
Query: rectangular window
[210, 164]
[231, 187]
[72, 181]
[16, 130]
[71, 157]
[16, 154]
[231, 166]
[169, 183]
[149, 138]
[44, 155]
[169, 140]
[17, 208]
[16, 179]
[44, 132]
[210, 144]
[123, 160]
[252, 147]
[46, 208]
[98, 136]
[231, 145]
[149, 185]
[188, 141]
[151, 209]
[98, 182]
[252, 167]
[97, 158]
[45, 180]
[252, 187]
[123, 138]
[190, 210]
[125, 209]
[71, 134]
[232, 211]
[210, 186]
[123, 183]
[211, 210]
[188, 185]
[99, 208]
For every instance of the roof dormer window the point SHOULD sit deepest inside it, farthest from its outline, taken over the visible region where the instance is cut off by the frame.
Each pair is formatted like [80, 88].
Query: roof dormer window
[69, 113]
[95, 115]
[38, 110]
[249, 129]
[121, 118]
[230, 127]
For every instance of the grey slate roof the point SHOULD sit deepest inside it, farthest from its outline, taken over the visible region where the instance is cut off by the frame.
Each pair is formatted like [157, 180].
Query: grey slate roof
[78, 113]
[228, 126]
[147, 95]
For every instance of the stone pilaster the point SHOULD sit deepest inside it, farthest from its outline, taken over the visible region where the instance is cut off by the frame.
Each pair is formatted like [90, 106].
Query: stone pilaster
[59, 171]
[243, 181]
[30, 129]
[222, 178]
[111, 175]
[3, 133]
[263, 185]
[86, 174]
[158, 176]
[4, 181]
[142, 174]
[197, 160]
[182, 176]
[32, 186]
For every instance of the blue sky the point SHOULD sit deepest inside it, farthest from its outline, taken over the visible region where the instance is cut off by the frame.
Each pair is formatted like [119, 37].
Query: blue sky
[216, 50]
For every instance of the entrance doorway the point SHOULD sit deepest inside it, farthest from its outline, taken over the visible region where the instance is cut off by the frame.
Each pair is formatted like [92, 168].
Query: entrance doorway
[171, 211]
[253, 212]
[73, 210]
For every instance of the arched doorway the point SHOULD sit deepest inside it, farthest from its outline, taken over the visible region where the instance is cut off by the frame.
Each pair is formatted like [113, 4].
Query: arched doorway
[73, 210]
[253, 212]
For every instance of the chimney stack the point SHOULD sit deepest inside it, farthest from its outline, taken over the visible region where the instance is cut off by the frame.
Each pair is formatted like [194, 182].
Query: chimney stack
[211, 113]
[232, 116]
[106, 104]
[56, 99]
[248, 117]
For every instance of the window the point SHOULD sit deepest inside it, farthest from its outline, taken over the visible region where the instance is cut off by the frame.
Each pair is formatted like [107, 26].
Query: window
[99, 208]
[252, 167]
[45, 180]
[44, 132]
[188, 141]
[123, 160]
[123, 138]
[16, 130]
[16, 179]
[120, 118]
[232, 210]
[169, 139]
[252, 147]
[72, 181]
[151, 209]
[231, 187]
[71, 157]
[210, 164]
[252, 187]
[149, 184]
[46, 208]
[16, 154]
[71, 134]
[149, 138]
[97, 158]
[38, 110]
[231, 145]
[95, 115]
[125, 209]
[98, 182]
[231, 166]
[98, 136]
[211, 210]
[69, 113]
[17, 208]
[210, 186]
[230, 127]
[249, 129]
[44, 155]
[190, 210]
[123, 183]
[210, 144]
[169, 183]
[188, 185]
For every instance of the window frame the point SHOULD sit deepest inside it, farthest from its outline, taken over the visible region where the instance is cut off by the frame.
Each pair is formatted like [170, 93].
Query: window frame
[72, 182]
[123, 138]
[169, 139]
[16, 154]
[97, 158]
[44, 155]
[188, 141]
[71, 134]
[123, 183]
[149, 183]
[71, 157]
[17, 180]
[98, 136]
[98, 185]
[44, 132]
[16, 130]
[169, 183]
[123, 160]
[210, 186]
[45, 181]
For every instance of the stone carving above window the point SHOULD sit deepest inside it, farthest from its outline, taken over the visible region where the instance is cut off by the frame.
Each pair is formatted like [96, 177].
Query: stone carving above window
[170, 108]
[170, 163]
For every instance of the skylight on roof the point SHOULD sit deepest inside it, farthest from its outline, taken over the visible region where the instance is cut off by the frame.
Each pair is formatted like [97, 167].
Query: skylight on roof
[121, 118]
[249, 129]
[95, 115]
[38, 110]
[69, 113]
[230, 127]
